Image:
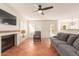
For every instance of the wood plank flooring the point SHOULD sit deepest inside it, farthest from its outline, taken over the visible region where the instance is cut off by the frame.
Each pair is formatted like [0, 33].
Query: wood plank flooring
[31, 48]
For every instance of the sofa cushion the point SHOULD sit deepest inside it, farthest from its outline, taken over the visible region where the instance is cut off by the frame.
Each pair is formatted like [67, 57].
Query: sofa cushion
[62, 36]
[58, 42]
[67, 50]
[76, 43]
[71, 39]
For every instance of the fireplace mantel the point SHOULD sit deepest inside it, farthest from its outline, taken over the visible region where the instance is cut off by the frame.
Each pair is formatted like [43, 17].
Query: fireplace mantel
[2, 33]
[9, 31]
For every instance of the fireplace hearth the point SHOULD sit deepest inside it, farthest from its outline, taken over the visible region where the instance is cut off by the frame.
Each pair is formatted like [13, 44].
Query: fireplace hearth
[7, 42]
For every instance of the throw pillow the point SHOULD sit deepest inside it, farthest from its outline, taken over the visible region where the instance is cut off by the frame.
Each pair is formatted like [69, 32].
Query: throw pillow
[71, 39]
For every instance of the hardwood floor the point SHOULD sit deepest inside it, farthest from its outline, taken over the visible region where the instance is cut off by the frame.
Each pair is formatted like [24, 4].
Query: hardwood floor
[31, 48]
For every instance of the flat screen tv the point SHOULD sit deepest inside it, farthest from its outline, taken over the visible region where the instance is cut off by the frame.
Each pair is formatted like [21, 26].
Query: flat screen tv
[7, 18]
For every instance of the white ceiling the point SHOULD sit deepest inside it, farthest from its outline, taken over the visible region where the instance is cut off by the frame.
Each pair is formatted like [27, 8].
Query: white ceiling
[60, 10]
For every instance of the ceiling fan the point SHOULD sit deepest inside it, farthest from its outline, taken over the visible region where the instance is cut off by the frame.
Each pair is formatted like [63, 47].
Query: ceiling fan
[40, 9]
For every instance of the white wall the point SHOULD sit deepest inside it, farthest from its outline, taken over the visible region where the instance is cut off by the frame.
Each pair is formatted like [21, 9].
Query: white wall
[43, 26]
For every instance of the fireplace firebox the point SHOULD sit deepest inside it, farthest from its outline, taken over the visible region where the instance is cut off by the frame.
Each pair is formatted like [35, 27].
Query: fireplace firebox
[7, 42]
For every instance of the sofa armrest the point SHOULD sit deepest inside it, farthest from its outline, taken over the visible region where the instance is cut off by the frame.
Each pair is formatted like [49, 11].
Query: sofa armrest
[55, 36]
[77, 53]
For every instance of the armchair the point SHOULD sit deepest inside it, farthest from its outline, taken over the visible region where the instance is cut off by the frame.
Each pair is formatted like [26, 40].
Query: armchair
[37, 36]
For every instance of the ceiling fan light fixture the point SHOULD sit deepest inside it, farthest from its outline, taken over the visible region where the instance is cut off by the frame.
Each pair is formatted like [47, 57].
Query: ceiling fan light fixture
[40, 11]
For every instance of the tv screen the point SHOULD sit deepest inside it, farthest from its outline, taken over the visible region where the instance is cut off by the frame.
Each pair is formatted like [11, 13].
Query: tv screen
[7, 18]
[9, 21]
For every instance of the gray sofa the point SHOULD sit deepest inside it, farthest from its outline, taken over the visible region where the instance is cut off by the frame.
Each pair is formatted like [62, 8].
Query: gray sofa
[66, 44]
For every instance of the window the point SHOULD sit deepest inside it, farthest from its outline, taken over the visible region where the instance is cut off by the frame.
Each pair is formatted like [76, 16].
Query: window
[52, 29]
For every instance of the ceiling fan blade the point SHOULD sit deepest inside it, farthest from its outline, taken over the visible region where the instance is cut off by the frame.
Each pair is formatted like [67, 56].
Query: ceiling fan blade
[47, 8]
